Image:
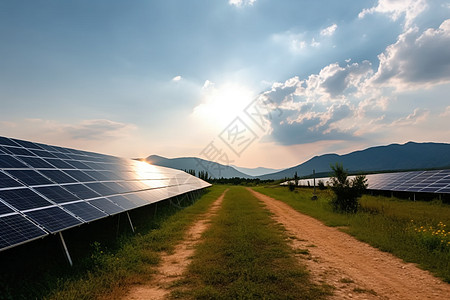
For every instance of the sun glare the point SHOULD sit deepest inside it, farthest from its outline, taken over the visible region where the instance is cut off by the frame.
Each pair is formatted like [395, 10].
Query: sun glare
[222, 104]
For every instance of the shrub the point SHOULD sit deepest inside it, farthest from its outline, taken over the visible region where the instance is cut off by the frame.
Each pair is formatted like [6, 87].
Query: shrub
[346, 191]
[291, 186]
[321, 185]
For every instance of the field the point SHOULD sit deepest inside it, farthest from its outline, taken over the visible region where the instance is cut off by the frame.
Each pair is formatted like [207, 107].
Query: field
[244, 253]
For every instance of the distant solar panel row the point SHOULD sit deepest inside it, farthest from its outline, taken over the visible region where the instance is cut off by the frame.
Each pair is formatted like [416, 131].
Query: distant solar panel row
[436, 181]
[46, 189]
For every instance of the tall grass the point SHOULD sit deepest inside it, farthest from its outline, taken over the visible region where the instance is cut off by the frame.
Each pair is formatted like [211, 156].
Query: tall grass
[244, 255]
[390, 224]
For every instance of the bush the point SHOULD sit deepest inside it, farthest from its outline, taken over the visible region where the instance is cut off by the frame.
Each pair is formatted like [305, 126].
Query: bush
[291, 186]
[346, 191]
[321, 185]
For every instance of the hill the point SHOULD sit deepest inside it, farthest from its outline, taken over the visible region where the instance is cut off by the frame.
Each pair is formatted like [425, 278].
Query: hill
[214, 169]
[407, 156]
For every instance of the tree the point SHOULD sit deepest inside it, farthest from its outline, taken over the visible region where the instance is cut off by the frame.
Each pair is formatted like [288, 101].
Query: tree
[346, 191]
[296, 179]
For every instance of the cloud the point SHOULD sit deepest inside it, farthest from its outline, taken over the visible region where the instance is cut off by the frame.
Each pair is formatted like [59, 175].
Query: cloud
[396, 8]
[416, 60]
[418, 116]
[177, 78]
[208, 84]
[99, 129]
[329, 31]
[446, 112]
[239, 3]
[55, 131]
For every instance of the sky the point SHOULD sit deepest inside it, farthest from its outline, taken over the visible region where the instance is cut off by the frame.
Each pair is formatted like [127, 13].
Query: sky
[245, 82]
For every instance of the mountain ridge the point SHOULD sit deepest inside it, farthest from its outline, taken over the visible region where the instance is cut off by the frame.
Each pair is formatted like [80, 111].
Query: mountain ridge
[392, 157]
[410, 155]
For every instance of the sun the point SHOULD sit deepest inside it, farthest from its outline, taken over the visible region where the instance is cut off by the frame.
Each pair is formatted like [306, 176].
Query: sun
[222, 104]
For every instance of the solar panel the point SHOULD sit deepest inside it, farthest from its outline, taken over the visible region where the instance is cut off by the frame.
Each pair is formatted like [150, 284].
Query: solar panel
[106, 206]
[45, 189]
[8, 182]
[436, 181]
[81, 191]
[23, 199]
[29, 177]
[57, 176]
[16, 229]
[56, 194]
[35, 162]
[7, 161]
[8, 142]
[53, 219]
[85, 211]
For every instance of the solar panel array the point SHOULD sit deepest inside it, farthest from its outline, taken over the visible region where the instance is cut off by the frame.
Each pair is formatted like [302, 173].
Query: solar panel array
[46, 189]
[436, 181]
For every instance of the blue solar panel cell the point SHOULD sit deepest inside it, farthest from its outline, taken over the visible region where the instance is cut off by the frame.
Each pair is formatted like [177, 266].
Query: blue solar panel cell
[79, 175]
[53, 219]
[27, 144]
[17, 151]
[7, 142]
[29, 177]
[7, 161]
[23, 199]
[57, 176]
[100, 188]
[43, 153]
[59, 163]
[106, 206]
[4, 209]
[16, 229]
[81, 191]
[8, 182]
[85, 211]
[123, 202]
[36, 162]
[56, 194]
[78, 164]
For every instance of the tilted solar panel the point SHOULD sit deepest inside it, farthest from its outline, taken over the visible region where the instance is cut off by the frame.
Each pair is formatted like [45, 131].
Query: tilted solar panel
[435, 181]
[45, 189]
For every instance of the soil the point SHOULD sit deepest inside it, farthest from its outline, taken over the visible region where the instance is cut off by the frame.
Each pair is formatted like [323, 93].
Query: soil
[354, 269]
[173, 265]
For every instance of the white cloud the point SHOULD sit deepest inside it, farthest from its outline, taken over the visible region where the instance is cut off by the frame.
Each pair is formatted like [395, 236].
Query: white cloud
[99, 135]
[416, 60]
[445, 113]
[208, 84]
[396, 8]
[177, 78]
[329, 31]
[240, 3]
[98, 129]
[418, 116]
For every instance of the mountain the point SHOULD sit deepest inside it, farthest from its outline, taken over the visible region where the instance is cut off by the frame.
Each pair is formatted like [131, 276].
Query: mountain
[408, 156]
[214, 169]
[256, 171]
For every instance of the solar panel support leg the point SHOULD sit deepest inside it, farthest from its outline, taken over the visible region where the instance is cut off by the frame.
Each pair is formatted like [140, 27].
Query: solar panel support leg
[131, 224]
[65, 249]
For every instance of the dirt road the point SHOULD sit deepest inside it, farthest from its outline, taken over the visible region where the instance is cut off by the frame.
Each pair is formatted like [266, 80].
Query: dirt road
[173, 265]
[355, 269]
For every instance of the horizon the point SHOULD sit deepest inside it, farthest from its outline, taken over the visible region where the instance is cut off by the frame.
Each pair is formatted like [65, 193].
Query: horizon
[250, 83]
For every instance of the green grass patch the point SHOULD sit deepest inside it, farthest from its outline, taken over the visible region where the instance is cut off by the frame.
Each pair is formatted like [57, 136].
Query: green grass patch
[244, 255]
[110, 266]
[390, 224]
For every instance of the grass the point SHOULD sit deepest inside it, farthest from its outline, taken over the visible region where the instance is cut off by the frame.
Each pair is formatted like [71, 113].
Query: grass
[390, 224]
[244, 255]
[109, 269]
